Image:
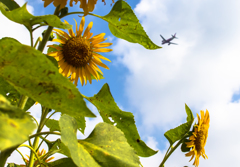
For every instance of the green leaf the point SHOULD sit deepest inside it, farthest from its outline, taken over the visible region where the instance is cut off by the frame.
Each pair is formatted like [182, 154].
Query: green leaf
[13, 95]
[10, 4]
[53, 125]
[15, 125]
[34, 75]
[184, 147]
[22, 16]
[64, 162]
[107, 108]
[190, 116]
[177, 133]
[124, 24]
[109, 147]
[79, 155]
[13, 165]
[58, 145]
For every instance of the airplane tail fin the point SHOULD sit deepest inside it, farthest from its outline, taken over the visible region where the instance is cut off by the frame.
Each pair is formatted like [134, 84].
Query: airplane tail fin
[174, 36]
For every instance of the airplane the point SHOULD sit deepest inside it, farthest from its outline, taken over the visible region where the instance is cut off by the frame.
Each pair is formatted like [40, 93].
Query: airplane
[169, 40]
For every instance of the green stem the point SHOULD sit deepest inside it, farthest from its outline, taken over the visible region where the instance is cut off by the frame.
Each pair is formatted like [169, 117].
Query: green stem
[38, 40]
[24, 145]
[170, 152]
[44, 133]
[36, 140]
[22, 101]
[22, 156]
[43, 43]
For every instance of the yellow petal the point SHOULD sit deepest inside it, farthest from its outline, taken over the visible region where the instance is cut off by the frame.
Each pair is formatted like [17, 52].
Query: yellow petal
[88, 75]
[84, 75]
[97, 37]
[70, 30]
[81, 76]
[101, 45]
[58, 40]
[102, 50]
[93, 72]
[100, 64]
[62, 33]
[81, 26]
[88, 29]
[100, 56]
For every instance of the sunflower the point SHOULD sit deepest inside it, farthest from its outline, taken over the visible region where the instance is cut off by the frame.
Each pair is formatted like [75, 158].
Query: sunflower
[77, 54]
[199, 138]
[62, 3]
[42, 156]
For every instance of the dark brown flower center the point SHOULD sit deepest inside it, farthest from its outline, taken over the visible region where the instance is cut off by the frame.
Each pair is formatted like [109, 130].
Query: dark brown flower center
[199, 142]
[77, 52]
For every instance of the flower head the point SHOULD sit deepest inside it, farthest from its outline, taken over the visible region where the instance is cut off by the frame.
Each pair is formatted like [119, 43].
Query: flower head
[77, 54]
[62, 3]
[199, 138]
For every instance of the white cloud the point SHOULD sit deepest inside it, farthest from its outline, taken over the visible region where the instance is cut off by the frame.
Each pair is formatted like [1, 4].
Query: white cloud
[202, 71]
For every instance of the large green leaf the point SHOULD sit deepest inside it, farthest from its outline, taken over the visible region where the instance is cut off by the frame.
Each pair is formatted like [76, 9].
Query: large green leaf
[108, 109]
[31, 73]
[22, 16]
[15, 125]
[79, 155]
[109, 147]
[124, 24]
[11, 4]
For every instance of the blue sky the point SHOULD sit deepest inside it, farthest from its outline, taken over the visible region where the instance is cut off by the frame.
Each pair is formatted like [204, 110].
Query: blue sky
[202, 70]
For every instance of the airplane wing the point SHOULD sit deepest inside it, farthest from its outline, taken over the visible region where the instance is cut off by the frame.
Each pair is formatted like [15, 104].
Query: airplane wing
[163, 38]
[172, 43]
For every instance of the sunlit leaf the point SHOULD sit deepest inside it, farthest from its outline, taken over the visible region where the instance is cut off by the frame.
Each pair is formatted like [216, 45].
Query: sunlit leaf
[177, 133]
[31, 73]
[15, 125]
[109, 147]
[10, 4]
[190, 116]
[22, 16]
[79, 155]
[53, 125]
[109, 111]
[124, 24]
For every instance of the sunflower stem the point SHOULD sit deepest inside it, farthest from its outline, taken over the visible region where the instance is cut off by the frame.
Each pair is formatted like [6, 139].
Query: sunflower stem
[47, 34]
[36, 140]
[170, 152]
[22, 101]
